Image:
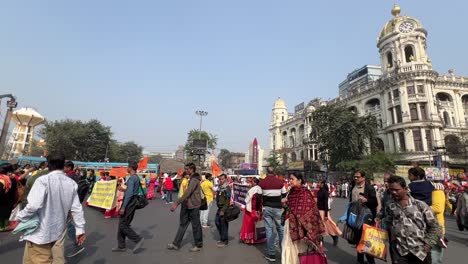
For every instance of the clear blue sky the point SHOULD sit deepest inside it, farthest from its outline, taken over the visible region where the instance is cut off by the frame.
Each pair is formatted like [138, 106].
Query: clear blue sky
[145, 67]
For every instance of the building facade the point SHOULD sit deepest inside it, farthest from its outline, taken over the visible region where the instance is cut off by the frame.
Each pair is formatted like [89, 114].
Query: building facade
[290, 132]
[419, 110]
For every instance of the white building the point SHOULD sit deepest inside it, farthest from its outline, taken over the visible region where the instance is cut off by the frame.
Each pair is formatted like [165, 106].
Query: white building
[418, 109]
[290, 132]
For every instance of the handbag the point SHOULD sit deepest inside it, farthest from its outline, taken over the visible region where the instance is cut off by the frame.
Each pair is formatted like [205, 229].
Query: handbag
[313, 257]
[260, 230]
[373, 242]
[141, 201]
[232, 213]
[204, 204]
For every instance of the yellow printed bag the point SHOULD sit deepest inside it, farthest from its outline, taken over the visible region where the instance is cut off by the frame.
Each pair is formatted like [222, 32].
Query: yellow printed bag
[373, 242]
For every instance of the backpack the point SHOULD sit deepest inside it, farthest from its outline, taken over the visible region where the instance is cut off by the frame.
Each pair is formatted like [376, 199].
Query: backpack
[358, 215]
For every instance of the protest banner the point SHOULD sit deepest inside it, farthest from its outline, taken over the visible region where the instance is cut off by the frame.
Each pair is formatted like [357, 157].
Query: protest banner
[239, 193]
[103, 194]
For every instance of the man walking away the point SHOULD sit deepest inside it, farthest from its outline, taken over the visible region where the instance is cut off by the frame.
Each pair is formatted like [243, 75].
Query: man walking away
[223, 199]
[51, 199]
[189, 212]
[127, 212]
[273, 191]
[410, 218]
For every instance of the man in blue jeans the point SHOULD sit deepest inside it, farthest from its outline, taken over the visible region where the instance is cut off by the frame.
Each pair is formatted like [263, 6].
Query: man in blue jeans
[273, 191]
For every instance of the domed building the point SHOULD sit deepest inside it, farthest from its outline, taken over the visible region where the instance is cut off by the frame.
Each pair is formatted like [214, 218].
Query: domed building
[289, 132]
[419, 110]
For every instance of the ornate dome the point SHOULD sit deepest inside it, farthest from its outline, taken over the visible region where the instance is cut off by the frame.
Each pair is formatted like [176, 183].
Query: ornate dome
[400, 24]
[279, 103]
[310, 109]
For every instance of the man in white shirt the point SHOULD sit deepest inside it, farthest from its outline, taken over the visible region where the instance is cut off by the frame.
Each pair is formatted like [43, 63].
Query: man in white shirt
[52, 198]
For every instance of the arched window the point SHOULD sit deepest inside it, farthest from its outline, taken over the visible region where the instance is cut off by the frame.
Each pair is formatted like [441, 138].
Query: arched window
[389, 59]
[409, 53]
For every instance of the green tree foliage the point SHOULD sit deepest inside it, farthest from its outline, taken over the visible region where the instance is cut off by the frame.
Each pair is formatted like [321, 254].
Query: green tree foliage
[224, 156]
[273, 161]
[127, 152]
[341, 134]
[378, 161]
[155, 159]
[87, 141]
[212, 141]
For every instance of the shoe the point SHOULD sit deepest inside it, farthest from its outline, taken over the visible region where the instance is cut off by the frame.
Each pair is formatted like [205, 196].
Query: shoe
[138, 245]
[221, 244]
[75, 252]
[205, 226]
[195, 249]
[117, 249]
[171, 246]
[271, 258]
[335, 240]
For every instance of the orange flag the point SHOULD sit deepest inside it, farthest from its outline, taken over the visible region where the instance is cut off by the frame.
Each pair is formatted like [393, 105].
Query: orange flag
[118, 172]
[180, 172]
[215, 170]
[143, 164]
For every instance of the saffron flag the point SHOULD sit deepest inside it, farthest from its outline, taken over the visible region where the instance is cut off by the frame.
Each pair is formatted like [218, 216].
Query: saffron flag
[215, 170]
[118, 172]
[180, 172]
[143, 164]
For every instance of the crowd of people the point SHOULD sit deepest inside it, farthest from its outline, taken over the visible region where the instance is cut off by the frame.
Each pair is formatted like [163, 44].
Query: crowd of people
[290, 215]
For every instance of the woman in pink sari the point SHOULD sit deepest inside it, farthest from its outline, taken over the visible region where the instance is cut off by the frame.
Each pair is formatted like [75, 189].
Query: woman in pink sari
[150, 191]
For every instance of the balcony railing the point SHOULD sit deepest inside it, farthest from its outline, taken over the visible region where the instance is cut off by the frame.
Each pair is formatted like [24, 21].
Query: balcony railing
[413, 67]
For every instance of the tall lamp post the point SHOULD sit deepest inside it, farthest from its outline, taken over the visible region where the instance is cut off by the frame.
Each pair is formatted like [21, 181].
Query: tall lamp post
[201, 113]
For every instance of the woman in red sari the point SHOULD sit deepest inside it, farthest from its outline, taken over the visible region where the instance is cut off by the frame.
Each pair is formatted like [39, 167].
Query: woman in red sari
[303, 223]
[252, 214]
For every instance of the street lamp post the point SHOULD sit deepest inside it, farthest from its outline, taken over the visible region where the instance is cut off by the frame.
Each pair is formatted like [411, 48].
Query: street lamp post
[201, 113]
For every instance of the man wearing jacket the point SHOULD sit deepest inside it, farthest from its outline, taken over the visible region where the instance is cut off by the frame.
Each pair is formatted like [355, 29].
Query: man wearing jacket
[362, 191]
[189, 212]
[223, 200]
[127, 212]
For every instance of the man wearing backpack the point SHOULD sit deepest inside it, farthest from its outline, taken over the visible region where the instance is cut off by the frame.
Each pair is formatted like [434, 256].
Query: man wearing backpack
[127, 212]
[363, 192]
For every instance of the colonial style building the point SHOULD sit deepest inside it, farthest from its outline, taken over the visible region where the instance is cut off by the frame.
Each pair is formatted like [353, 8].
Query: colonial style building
[290, 132]
[418, 109]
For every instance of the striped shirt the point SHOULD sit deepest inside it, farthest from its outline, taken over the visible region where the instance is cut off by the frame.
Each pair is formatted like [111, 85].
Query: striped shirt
[272, 191]
[52, 198]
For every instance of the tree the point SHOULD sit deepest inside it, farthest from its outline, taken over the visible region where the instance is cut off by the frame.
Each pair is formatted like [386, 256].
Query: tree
[129, 152]
[224, 156]
[378, 161]
[36, 149]
[155, 159]
[273, 161]
[342, 135]
[212, 141]
[77, 140]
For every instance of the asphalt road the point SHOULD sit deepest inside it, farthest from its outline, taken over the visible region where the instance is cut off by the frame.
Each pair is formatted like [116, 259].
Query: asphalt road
[158, 226]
